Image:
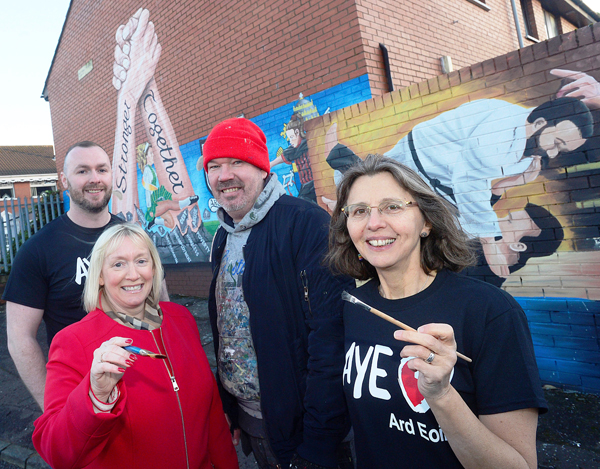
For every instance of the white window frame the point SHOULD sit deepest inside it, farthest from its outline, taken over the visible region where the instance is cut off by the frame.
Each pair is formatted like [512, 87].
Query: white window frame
[551, 21]
[35, 186]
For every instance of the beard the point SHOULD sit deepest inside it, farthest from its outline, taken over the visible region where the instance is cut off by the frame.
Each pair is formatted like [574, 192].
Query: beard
[78, 197]
[532, 147]
[246, 202]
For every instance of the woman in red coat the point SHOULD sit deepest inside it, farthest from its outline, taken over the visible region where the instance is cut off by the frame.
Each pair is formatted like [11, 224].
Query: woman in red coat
[109, 407]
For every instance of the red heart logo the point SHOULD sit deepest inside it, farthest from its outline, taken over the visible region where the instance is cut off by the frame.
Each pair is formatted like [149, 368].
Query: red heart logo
[410, 388]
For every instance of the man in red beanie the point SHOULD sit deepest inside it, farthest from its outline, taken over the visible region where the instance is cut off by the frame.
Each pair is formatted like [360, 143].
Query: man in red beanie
[275, 310]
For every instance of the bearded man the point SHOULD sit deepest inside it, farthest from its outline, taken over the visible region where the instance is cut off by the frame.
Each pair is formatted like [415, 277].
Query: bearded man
[472, 154]
[48, 275]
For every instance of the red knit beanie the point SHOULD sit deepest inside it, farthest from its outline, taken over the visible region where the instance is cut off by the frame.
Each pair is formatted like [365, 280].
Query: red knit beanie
[237, 138]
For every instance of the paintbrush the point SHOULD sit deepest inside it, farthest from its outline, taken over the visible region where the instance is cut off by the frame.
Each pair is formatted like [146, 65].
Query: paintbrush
[143, 353]
[352, 299]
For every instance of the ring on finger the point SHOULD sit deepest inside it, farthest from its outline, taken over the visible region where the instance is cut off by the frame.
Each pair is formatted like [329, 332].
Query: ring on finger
[102, 357]
[430, 358]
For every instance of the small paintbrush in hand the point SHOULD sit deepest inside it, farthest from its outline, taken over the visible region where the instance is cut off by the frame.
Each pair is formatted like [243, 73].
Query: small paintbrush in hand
[352, 299]
[143, 353]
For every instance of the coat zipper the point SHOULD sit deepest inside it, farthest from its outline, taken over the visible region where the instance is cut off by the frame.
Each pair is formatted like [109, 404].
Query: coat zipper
[304, 278]
[171, 373]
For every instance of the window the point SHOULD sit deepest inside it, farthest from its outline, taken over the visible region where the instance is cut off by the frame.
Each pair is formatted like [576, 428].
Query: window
[527, 12]
[551, 24]
[480, 4]
[38, 189]
[6, 191]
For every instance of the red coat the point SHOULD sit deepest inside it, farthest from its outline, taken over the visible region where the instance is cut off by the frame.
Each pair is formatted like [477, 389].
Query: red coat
[151, 424]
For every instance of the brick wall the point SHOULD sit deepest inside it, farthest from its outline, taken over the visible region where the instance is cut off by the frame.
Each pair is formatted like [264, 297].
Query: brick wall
[559, 289]
[22, 189]
[565, 26]
[417, 34]
[566, 336]
[219, 59]
[520, 77]
[188, 279]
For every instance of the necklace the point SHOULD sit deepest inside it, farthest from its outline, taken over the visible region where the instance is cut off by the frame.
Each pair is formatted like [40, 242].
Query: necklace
[425, 285]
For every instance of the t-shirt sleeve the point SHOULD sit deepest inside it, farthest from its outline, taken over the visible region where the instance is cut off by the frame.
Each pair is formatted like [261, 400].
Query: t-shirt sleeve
[27, 284]
[506, 373]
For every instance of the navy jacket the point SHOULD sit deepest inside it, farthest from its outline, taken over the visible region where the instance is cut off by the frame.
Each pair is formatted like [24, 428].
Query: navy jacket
[296, 323]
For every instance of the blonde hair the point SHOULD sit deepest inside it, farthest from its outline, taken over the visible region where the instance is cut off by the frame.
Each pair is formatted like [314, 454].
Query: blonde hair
[107, 243]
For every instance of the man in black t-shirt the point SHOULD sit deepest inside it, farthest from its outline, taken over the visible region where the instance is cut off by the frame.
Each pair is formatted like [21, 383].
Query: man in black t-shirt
[47, 278]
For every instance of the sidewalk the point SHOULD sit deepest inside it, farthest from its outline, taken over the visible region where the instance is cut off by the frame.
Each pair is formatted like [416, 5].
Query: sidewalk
[568, 435]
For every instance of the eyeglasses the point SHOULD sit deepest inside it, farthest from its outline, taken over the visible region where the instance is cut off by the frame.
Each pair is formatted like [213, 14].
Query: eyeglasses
[390, 208]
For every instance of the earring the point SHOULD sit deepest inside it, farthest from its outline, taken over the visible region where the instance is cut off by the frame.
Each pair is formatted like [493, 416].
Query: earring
[360, 257]
[424, 234]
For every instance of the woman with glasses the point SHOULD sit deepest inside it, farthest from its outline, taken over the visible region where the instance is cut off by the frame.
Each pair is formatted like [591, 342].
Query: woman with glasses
[412, 403]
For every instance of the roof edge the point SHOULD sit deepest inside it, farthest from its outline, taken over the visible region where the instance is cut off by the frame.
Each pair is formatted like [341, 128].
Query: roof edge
[44, 95]
[35, 177]
[586, 9]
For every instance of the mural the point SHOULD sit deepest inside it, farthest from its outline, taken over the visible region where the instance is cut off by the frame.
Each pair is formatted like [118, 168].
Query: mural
[297, 156]
[514, 163]
[160, 196]
[160, 184]
[494, 160]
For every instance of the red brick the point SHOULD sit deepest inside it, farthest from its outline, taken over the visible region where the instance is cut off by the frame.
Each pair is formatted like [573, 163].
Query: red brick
[526, 54]
[553, 61]
[585, 36]
[540, 50]
[596, 31]
[454, 78]
[423, 88]
[477, 70]
[488, 67]
[226, 57]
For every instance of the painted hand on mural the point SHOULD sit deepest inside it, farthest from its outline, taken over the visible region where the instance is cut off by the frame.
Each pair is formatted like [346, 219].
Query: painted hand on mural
[530, 174]
[136, 55]
[123, 48]
[165, 178]
[331, 139]
[330, 203]
[583, 87]
[120, 67]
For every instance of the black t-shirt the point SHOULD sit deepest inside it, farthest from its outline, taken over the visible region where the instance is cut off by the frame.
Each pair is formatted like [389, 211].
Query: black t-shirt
[50, 269]
[393, 424]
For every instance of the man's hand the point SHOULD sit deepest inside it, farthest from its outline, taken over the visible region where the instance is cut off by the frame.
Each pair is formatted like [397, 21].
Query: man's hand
[533, 170]
[530, 174]
[235, 434]
[299, 462]
[583, 87]
[22, 324]
[331, 138]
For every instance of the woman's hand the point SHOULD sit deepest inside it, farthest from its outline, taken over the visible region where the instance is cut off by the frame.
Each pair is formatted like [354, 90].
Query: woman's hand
[109, 364]
[434, 377]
